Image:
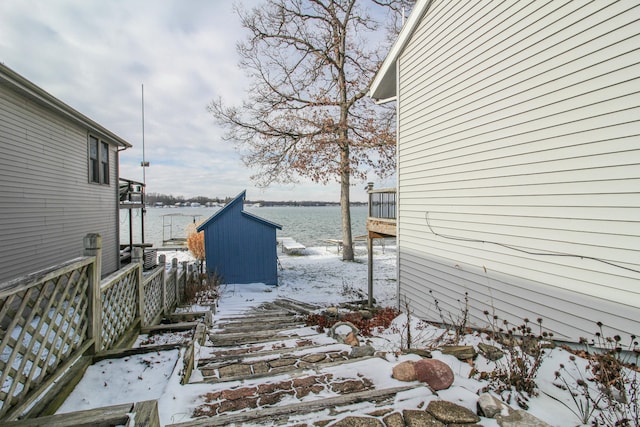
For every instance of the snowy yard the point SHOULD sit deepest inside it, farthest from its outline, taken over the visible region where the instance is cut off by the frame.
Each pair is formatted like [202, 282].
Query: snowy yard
[321, 277]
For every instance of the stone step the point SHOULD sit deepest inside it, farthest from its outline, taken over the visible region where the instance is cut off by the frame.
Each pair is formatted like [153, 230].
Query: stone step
[280, 414]
[287, 363]
[254, 327]
[295, 306]
[257, 348]
[257, 319]
[238, 338]
[238, 354]
[274, 310]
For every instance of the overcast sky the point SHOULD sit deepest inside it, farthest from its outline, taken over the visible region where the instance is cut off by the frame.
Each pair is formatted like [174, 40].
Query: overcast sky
[96, 55]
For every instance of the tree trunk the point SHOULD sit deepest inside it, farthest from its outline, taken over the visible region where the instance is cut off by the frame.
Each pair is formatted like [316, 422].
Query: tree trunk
[345, 207]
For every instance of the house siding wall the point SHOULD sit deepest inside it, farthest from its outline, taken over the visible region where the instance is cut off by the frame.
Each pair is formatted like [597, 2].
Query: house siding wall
[47, 204]
[519, 163]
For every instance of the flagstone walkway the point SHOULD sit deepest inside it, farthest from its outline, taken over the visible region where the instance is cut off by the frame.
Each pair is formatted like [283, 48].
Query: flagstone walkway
[280, 372]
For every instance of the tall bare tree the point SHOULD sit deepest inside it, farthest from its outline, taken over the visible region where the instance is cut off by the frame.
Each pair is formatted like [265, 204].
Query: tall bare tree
[310, 63]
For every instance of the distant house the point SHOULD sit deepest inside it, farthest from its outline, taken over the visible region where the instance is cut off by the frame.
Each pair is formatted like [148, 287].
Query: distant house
[241, 247]
[58, 180]
[519, 161]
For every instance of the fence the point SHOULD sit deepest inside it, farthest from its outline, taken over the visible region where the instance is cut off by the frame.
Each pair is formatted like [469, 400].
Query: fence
[51, 318]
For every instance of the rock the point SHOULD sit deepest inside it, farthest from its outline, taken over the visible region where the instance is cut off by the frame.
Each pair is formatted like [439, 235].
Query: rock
[236, 405]
[450, 413]
[415, 418]
[531, 346]
[314, 357]
[461, 352]
[234, 370]
[274, 398]
[437, 374]
[351, 421]
[341, 330]
[260, 367]
[351, 340]
[365, 314]
[380, 412]
[404, 371]
[489, 406]
[350, 386]
[394, 420]
[490, 352]
[420, 352]
[303, 382]
[364, 351]
[285, 361]
[519, 418]
[238, 393]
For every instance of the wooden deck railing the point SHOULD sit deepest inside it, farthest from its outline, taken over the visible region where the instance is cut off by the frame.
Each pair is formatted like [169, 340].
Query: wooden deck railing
[382, 203]
[51, 318]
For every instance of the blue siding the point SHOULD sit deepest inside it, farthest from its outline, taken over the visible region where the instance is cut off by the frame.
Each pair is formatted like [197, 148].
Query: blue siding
[240, 247]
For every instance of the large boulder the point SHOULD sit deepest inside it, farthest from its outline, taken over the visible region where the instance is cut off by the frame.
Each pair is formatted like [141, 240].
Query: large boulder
[437, 374]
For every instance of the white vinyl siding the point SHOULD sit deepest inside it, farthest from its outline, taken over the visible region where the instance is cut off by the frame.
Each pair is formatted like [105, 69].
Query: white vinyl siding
[47, 205]
[519, 145]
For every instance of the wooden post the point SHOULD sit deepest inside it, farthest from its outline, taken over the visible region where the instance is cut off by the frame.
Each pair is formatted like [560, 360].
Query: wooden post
[185, 270]
[370, 268]
[162, 261]
[93, 247]
[137, 258]
[369, 190]
[174, 272]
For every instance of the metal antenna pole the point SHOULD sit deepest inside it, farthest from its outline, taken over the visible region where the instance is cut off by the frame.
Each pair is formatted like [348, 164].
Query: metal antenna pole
[144, 164]
[144, 177]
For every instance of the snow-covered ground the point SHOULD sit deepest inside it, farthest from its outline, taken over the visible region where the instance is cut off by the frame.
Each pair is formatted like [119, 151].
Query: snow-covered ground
[319, 277]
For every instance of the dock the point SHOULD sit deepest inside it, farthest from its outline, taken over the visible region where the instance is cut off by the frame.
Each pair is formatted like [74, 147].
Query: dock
[290, 246]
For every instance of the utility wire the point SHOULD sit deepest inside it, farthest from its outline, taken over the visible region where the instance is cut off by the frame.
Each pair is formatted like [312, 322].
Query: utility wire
[514, 248]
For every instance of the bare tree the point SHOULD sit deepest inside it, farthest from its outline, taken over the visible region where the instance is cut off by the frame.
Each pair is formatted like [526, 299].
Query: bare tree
[310, 63]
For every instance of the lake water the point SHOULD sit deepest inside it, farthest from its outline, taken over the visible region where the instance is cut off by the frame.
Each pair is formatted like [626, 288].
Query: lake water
[308, 225]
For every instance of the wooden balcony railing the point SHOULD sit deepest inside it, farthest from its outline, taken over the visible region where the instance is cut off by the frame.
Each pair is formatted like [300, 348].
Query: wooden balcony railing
[381, 220]
[382, 203]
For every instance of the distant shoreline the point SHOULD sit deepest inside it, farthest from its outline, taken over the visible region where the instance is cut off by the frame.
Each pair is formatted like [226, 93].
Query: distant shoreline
[266, 204]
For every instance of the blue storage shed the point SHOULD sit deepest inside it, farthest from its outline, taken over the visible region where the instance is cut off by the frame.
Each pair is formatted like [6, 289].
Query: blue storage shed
[241, 247]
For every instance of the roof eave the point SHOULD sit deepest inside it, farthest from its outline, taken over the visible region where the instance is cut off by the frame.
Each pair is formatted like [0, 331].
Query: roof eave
[44, 98]
[261, 220]
[383, 87]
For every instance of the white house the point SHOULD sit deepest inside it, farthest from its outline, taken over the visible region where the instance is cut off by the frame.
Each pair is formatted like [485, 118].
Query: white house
[518, 128]
[58, 180]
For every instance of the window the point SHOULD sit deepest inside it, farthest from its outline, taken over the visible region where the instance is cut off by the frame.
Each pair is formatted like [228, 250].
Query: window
[104, 162]
[98, 161]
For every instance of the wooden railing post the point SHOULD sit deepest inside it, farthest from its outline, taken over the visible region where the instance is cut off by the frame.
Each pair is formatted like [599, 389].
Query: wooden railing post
[162, 261]
[174, 272]
[93, 247]
[185, 276]
[369, 189]
[370, 269]
[137, 258]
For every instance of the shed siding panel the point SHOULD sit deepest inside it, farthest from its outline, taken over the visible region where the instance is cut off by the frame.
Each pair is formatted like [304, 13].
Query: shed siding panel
[519, 163]
[47, 204]
[240, 249]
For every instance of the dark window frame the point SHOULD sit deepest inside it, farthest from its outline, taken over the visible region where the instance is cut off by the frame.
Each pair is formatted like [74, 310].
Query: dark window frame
[98, 159]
